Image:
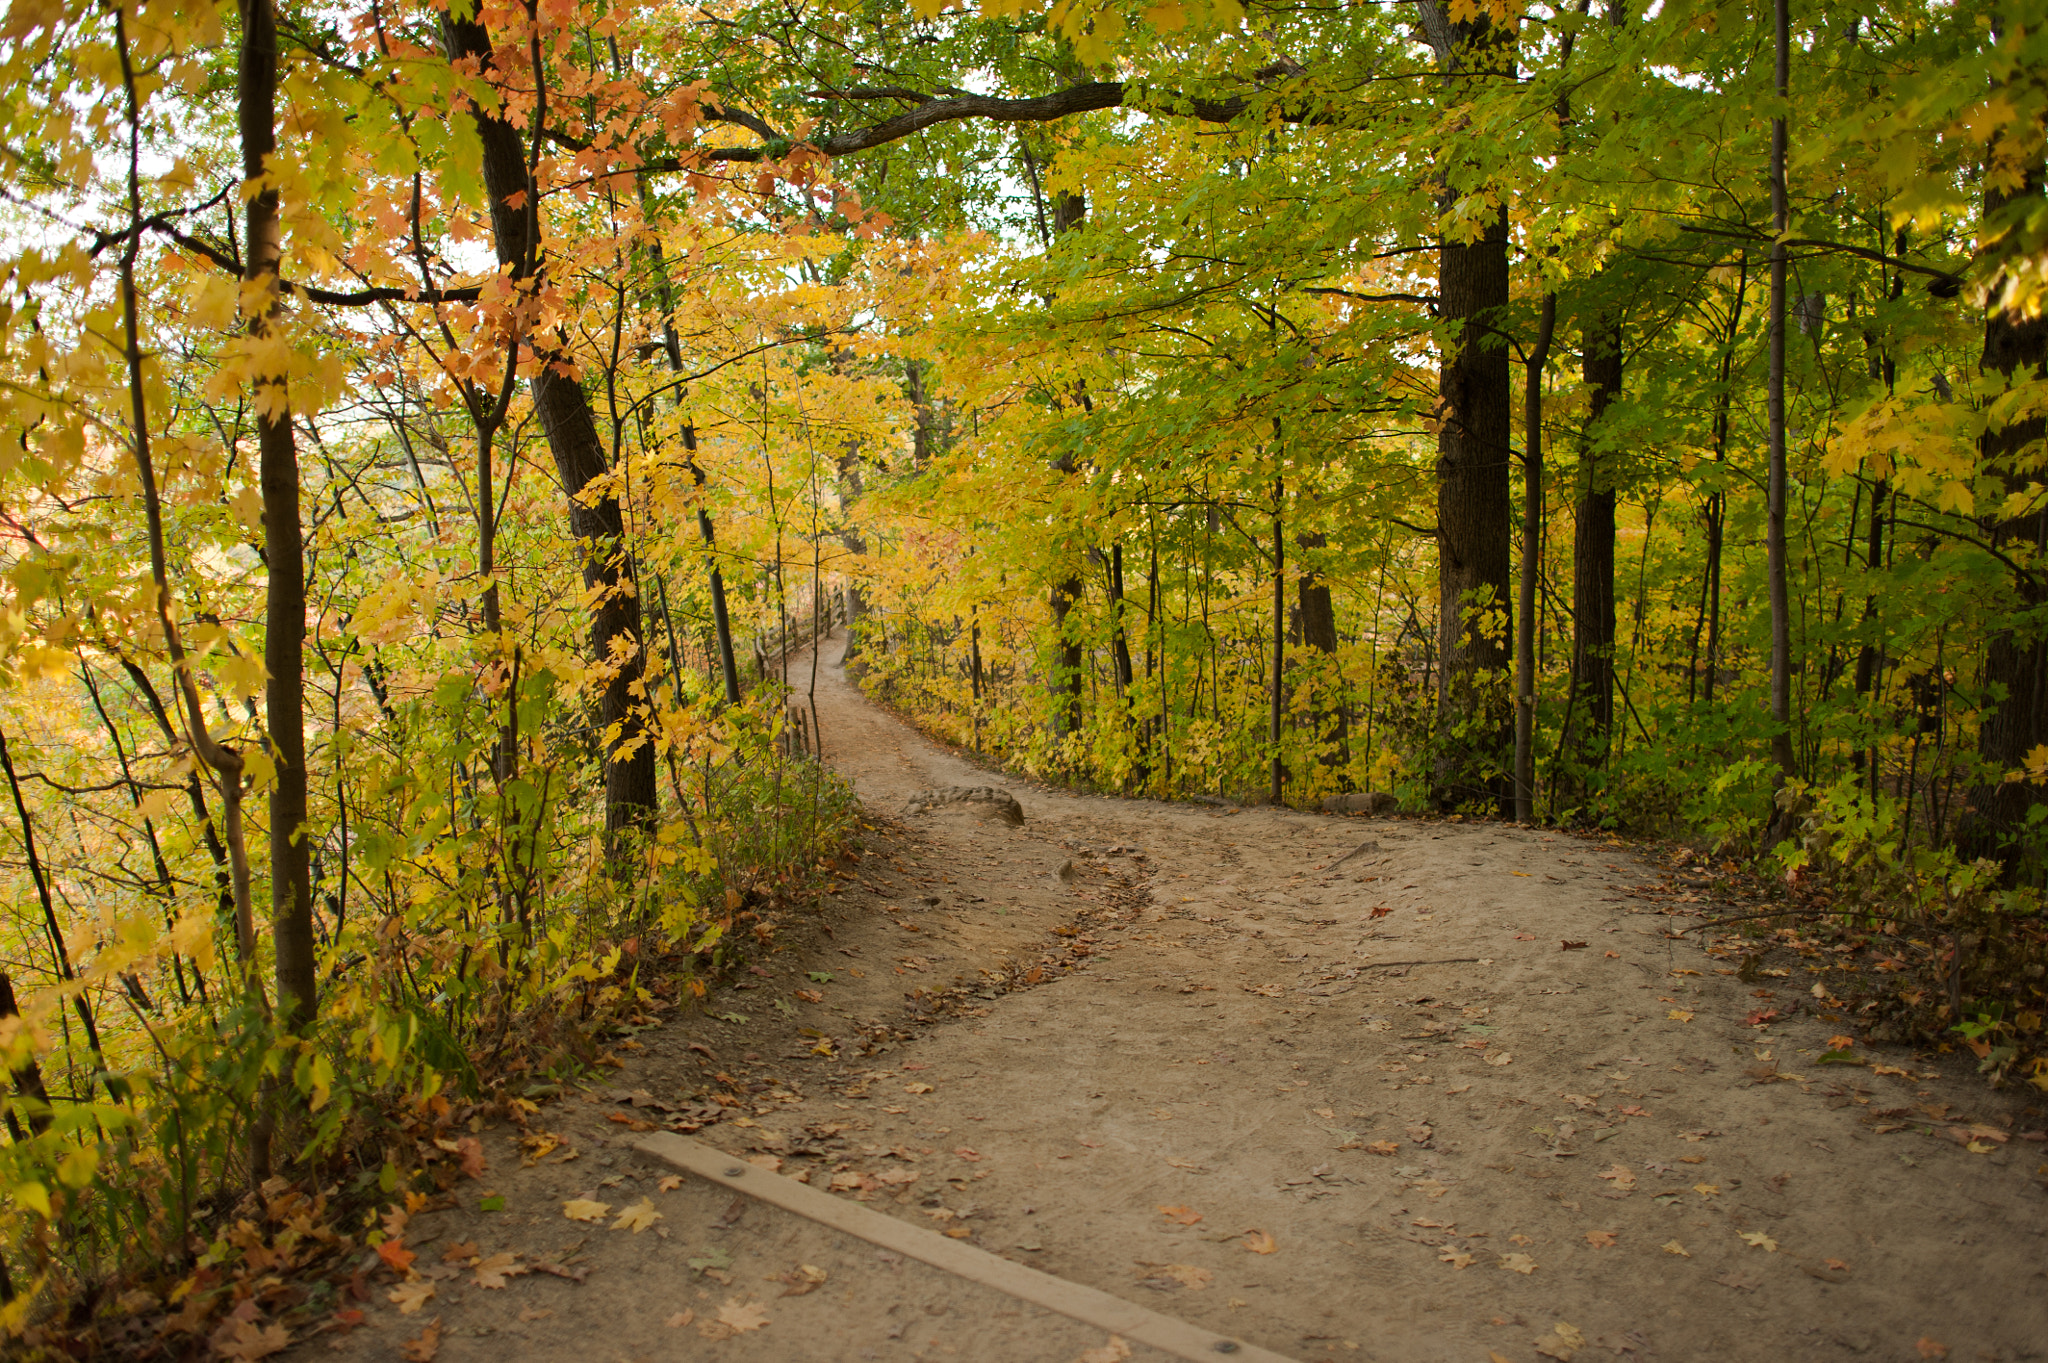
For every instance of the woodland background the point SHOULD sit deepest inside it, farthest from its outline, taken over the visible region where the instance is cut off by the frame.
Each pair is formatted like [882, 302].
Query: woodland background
[429, 427]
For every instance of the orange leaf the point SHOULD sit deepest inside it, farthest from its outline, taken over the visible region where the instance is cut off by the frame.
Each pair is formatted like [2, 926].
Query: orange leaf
[395, 1255]
[1258, 1242]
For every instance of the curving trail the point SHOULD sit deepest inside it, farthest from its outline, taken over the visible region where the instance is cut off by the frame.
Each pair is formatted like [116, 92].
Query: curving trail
[1335, 1086]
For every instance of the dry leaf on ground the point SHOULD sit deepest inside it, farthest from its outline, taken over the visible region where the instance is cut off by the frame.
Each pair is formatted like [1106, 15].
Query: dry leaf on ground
[681, 1318]
[423, 1349]
[410, 1297]
[245, 1340]
[1518, 1263]
[1190, 1277]
[1499, 1058]
[801, 1279]
[582, 1209]
[1621, 1176]
[1116, 1351]
[669, 1184]
[493, 1271]
[1759, 1240]
[1679, 1015]
[1931, 1347]
[1384, 1148]
[1600, 1239]
[1563, 1343]
[637, 1217]
[1673, 1247]
[1456, 1258]
[917, 1088]
[1258, 1242]
[736, 1317]
[1186, 1216]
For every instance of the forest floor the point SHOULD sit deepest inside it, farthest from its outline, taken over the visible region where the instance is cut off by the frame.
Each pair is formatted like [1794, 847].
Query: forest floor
[1343, 1088]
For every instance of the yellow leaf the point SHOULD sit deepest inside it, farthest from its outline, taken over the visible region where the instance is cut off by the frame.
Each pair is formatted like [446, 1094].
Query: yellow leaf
[1258, 1242]
[1757, 1239]
[1518, 1263]
[1167, 18]
[1673, 1247]
[410, 1297]
[1679, 1015]
[581, 1209]
[637, 1217]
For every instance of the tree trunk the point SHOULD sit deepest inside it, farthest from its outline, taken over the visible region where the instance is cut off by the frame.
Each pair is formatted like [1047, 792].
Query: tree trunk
[2016, 662]
[1532, 563]
[1474, 505]
[1774, 535]
[1593, 562]
[284, 629]
[1316, 613]
[599, 528]
[1068, 212]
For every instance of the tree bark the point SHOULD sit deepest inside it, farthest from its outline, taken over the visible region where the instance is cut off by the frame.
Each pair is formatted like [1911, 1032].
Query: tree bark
[1592, 673]
[1068, 213]
[2016, 660]
[1532, 563]
[1474, 503]
[1774, 535]
[284, 628]
[565, 415]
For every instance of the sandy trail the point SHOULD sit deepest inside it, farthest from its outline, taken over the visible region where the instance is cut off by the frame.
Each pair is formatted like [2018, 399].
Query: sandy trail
[1359, 1046]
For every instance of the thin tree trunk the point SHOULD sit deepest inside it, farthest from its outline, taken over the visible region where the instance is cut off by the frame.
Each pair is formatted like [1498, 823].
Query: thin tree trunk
[565, 415]
[1592, 672]
[1781, 601]
[1532, 563]
[1279, 694]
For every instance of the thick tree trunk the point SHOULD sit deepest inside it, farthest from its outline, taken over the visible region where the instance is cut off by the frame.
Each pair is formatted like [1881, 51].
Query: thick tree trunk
[599, 528]
[2016, 661]
[1068, 213]
[1474, 504]
[1316, 618]
[1592, 704]
[284, 629]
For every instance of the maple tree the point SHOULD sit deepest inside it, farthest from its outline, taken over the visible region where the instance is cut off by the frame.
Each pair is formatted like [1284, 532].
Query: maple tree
[1138, 379]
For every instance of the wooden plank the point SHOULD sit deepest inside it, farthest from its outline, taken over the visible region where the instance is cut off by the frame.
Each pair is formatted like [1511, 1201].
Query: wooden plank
[1133, 1322]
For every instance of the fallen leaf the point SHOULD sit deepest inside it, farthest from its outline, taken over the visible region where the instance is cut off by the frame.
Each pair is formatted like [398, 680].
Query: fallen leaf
[396, 1256]
[458, 1252]
[423, 1349]
[1518, 1263]
[1270, 991]
[1384, 1148]
[1841, 1043]
[810, 996]
[1572, 946]
[1759, 1240]
[1116, 1351]
[1621, 1176]
[1931, 1347]
[1673, 1247]
[1381, 912]
[971, 1156]
[917, 1088]
[1328, 1114]
[1525, 937]
[1499, 1058]
[1565, 1340]
[410, 1297]
[1707, 1189]
[1634, 1111]
[734, 1318]
[1600, 1239]
[246, 1340]
[1421, 1134]
[1188, 1276]
[802, 1279]
[669, 1184]
[1186, 1216]
[1456, 1258]
[1838, 1265]
[637, 1217]
[471, 1152]
[1258, 1242]
[493, 1271]
[1738, 1281]
[1613, 955]
[581, 1209]
[679, 1319]
[1679, 1015]
[536, 1313]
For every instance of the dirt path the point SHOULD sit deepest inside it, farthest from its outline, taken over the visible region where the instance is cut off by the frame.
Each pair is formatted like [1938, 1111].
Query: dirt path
[1348, 1089]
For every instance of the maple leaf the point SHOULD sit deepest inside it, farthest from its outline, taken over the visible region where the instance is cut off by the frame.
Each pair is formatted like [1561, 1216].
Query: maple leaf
[1673, 1247]
[1258, 1242]
[582, 1209]
[1384, 1148]
[410, 1297]
[971, 1156]
[734, 1318]
[802, 1279]
[1189, 1276]
[1600, 1239]
[1499, 1058]
[459, 1251]
[1707, 1189]
[423, 1348]
[471, 1151]
[669, 1184]
[1838, 1265]
[1564, 1342]
[246, 1340]
[1679, 1015]
[637, 1217]
[1115, 1351]
[1456, 1258]
[396, 1256]
[917, 1088]
[493, 1271]
[1518, 1263]
[1621, 1176]
[1757, 1239]
[1186, 1216]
